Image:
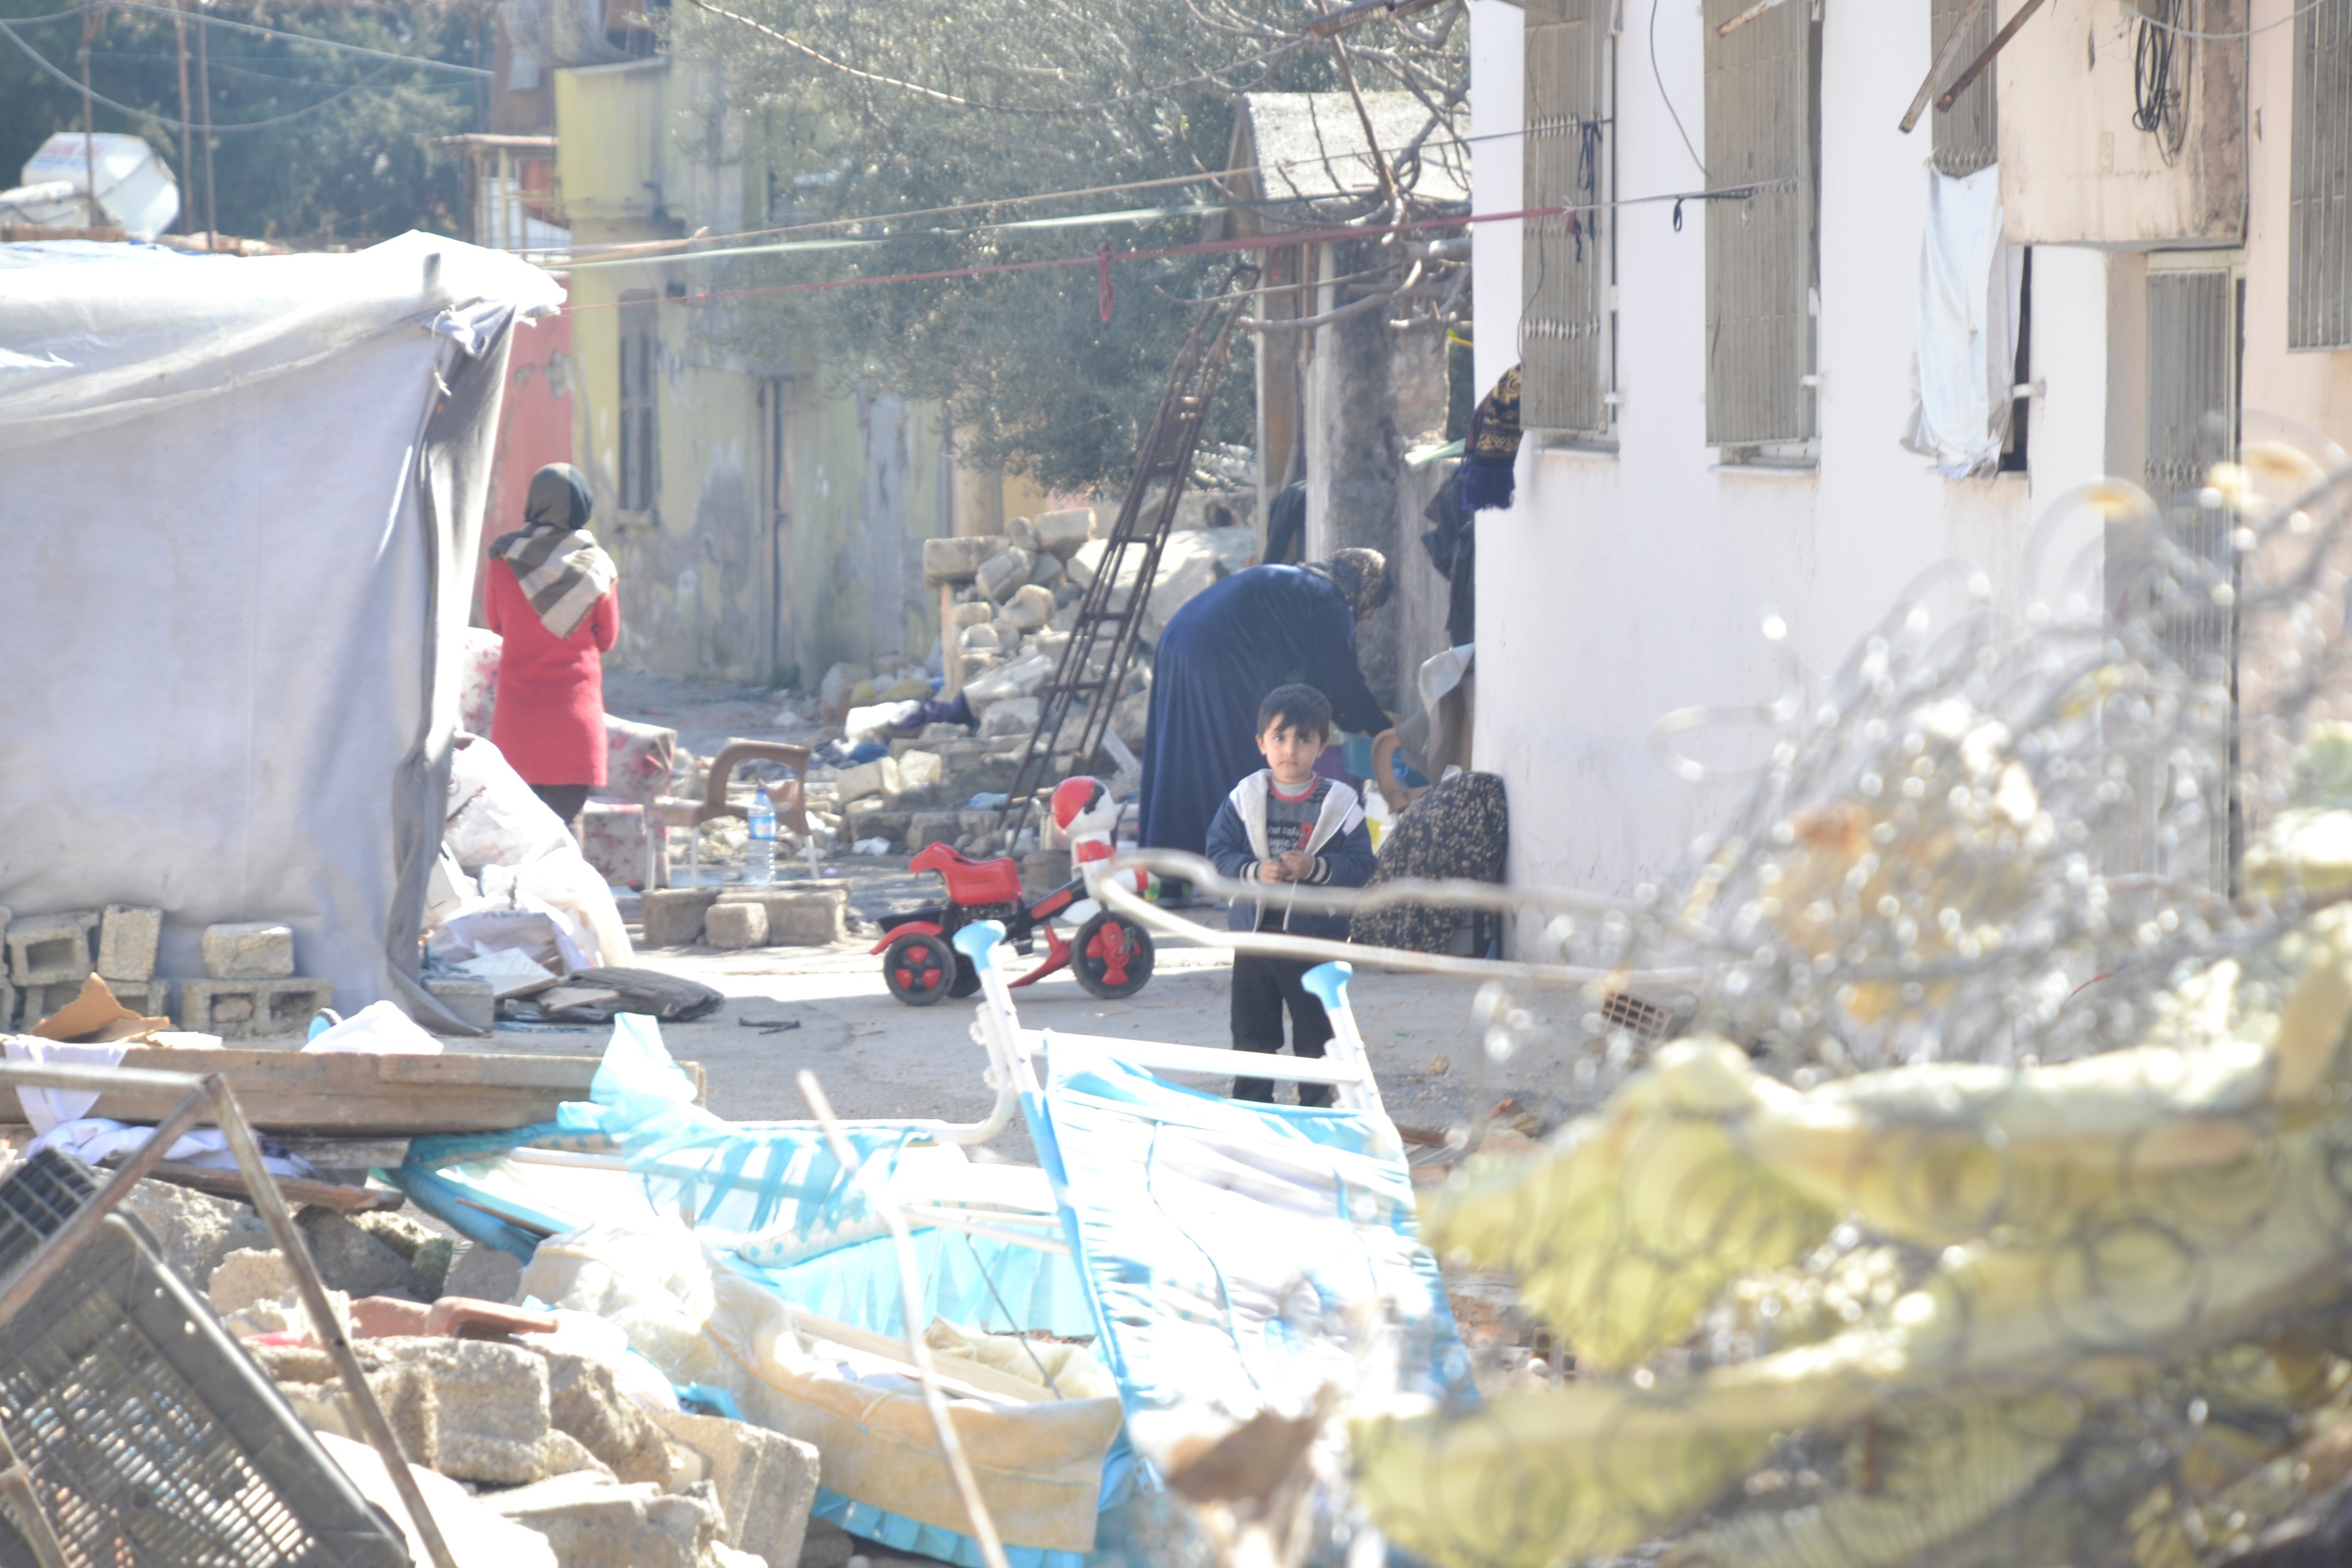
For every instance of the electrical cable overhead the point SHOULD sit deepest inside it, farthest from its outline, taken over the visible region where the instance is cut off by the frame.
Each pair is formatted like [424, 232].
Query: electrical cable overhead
[947, 97]
[255, 28]
[368, 80]
[1666, 98]
[2178, 31]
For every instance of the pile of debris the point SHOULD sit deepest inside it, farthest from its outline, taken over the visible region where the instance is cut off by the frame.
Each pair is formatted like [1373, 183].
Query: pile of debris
[249, 987]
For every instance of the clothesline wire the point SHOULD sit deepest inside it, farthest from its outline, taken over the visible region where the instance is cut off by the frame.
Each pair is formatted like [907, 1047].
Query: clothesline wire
[2144, 20]
[368, 80]
[198, 17]
[1199, 248]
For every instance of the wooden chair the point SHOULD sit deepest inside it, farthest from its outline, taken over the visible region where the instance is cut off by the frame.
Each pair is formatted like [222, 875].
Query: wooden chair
[668, 811]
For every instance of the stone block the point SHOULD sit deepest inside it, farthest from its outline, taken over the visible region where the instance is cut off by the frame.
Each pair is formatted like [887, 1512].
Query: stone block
[491, 1402]
[735, 924]
[766, 1481]
[1008, 635]
[1024, 677]
[978, 612]
[879, 776]
[195, 1231]
[958, 559]
[980, 638]
[248, 950]
[484, 1273]
[931, 827]
[585, 1404]
[1047, 572]
[890, 825]
[798, 915]
[1011, 716]
[1030, 608]
[1130, 716]
[592, 1523]
[352, 1260]
[920, 770]
[43, 997]
[8, 1004]
[1022, 533]
[127, 936]
[1063, 532]
[149, 998]
[672, 916]
[47, 948]
[475, 1002]
[1003, 574]
[307, 1378]
[251, 1009]
[249, 1275]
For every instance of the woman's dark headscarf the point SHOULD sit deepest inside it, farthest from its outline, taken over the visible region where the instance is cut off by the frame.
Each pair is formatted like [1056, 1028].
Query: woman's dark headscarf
[1361, 574]
[559, 498]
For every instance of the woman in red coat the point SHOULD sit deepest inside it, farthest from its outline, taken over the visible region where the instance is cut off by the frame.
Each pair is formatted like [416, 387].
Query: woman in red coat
[551, 596]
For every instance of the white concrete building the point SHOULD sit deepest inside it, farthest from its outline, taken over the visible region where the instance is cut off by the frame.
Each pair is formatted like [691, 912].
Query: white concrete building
[1720, 438]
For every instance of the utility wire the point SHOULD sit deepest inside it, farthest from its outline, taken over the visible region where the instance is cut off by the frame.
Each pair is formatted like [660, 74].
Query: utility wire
[209, 21]
[2178, 32]
[368, 80]
[947, 97]
[1667, 98]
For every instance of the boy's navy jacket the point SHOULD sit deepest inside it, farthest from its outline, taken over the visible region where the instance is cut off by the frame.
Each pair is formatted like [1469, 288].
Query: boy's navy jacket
[1340, 843]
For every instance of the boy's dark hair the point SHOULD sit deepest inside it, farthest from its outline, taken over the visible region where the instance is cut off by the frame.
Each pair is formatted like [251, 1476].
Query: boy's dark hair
[1296, 707]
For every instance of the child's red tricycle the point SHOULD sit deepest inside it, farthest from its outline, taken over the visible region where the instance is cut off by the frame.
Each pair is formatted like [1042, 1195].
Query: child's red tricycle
[1110, 955]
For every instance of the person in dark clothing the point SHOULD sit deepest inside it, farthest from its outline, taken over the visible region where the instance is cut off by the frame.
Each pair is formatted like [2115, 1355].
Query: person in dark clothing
[1287, 824]
[1286, 525]
[1452, 546]
[1219, 657]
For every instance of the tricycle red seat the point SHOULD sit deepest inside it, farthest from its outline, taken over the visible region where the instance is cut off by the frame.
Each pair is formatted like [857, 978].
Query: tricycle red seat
[970, 882]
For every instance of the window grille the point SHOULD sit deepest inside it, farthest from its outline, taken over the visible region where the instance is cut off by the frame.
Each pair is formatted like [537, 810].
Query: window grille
[1567, 344]
[640, 357]
[2192, 374]
[1967, 134]
[2319, 191]
[1763, 133]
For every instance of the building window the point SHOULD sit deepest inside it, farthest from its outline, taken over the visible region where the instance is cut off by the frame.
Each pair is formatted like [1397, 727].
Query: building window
[2319, 191]
[1966, 135]
[640, 357]
[1567, 338]
[1763, 299]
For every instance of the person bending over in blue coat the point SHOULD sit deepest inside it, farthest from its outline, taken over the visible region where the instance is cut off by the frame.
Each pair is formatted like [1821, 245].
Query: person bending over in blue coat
[1283, 827]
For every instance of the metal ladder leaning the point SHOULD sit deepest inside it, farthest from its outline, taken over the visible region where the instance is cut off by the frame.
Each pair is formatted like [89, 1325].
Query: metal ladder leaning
[1087, 682]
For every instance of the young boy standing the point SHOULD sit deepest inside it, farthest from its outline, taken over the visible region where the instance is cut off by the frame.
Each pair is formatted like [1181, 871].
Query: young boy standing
[1286, 824]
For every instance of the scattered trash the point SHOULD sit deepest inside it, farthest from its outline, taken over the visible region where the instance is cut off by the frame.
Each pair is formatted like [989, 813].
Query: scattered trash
[769, 1025]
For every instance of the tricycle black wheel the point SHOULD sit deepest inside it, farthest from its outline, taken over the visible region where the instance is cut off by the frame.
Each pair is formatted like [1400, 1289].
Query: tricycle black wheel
[919, 968]
[1113, 957]
[967, 978]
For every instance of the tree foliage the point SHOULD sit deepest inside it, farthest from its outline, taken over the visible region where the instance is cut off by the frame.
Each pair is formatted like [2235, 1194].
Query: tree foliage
[355, 168]
[1057, 96]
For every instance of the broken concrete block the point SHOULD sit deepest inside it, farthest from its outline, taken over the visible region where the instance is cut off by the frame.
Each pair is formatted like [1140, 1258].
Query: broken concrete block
[561, 1453]
[1003, 574]
[1011, 716]
[249, 1275]
[492, 1405]
[249, 1009]
[1130, 716]
[195, 1231]
[920, 770]
[249, 950]
[43, 998]
[739, 924]
[930, 827]
[43, 949]
[585, 1402]
[475, 1002]
[483, 1273]
[956, 559]
[879, 776]
[672, 916]
[287, 1314]
[352, 1260]
[1030, 608]
[797, 916]
[1022, 533]
[307, 1378]
[8, 1006]
[1047, 573]
[766, 1481]
[149, 998]
[1063, 532]
[127, 935]
[978, 612]
[978, 639]
[596, 1524]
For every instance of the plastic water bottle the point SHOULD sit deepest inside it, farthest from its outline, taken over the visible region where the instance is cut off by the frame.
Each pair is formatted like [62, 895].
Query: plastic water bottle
[760, 865]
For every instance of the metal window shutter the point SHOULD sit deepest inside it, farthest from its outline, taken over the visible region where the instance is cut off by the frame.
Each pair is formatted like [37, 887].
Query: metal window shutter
[2320, 188]
[1762, 130]
[1564, 326]
[1967, 138]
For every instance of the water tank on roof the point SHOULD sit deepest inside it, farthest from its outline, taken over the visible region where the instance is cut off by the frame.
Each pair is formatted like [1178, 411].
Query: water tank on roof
[136, 189]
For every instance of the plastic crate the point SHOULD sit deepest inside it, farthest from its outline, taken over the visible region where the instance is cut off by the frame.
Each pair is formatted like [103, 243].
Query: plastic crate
[39, 1196]
[153, 1438]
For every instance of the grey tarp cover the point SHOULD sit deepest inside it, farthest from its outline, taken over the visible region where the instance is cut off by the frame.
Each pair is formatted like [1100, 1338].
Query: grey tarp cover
[239, 507]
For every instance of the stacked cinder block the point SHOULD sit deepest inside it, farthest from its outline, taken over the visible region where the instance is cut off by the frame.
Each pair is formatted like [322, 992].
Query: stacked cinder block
[251, 989]
[128, 936]
[49, 959]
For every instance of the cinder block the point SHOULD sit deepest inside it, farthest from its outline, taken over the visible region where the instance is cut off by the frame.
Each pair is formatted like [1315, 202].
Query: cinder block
[766, 1481]
[672, 916]
[251, 1009]
[796, 916]
[149, 998]
[7, 1006]
[250, 949]
[44, 997]
[930, 826]
[127, 935]
[736, 923]
[476, 1001]
[43, 948]
[959, 560]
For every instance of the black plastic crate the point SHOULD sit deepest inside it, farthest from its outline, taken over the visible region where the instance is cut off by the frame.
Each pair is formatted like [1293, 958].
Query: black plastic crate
[154, 1440]
[39, 1196]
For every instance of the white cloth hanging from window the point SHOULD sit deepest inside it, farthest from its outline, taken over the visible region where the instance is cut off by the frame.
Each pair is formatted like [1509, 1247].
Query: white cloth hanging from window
[1966, 338]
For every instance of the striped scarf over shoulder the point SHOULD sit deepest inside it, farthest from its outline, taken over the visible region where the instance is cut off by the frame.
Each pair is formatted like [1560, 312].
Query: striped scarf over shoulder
[562, 570]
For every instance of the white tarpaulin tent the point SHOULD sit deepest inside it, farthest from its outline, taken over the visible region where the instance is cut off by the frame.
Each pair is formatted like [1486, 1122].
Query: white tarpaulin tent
[240, 503]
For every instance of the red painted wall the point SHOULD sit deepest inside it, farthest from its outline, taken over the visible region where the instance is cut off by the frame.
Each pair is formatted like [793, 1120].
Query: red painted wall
[534, 427]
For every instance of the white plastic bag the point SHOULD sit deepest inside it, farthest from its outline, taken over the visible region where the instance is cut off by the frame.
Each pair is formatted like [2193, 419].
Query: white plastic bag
[380, 1029]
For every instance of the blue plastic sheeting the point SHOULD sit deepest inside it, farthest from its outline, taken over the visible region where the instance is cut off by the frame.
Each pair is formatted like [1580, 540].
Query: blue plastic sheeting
[900, 1533]
[1232, 1250]
[439, 1197]
[973, 1280]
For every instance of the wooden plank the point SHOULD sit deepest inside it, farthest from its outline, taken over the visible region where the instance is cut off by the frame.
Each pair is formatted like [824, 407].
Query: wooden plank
[354, 1096]
[325, 1195]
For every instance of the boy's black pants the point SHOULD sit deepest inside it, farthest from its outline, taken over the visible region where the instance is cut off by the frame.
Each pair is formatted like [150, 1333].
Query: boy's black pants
[1261, 987]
